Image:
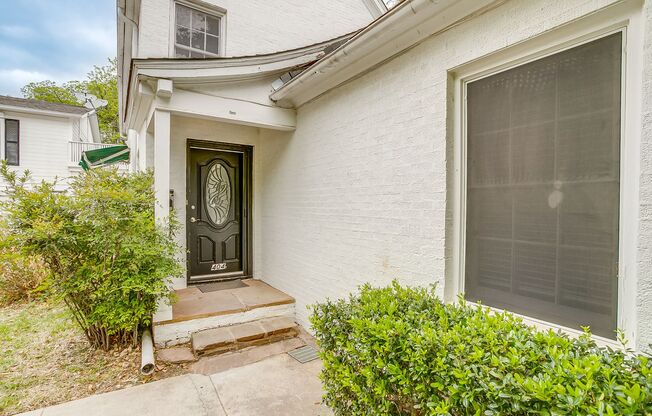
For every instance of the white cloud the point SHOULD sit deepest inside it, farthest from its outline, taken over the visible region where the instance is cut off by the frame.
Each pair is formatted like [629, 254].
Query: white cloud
[94, 35]
[12, 80]
[16, 31]
[57, 40]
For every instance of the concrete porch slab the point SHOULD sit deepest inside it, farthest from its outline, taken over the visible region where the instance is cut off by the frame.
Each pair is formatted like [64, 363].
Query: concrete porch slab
[193, 304]
[197, 311]
[175, 333]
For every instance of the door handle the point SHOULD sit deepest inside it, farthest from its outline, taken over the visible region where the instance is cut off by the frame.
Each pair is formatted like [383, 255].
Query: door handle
[193, 219]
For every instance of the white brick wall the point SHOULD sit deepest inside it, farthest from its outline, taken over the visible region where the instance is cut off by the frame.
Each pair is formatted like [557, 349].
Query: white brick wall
[644, 290]
[358, 193]
[259, 26]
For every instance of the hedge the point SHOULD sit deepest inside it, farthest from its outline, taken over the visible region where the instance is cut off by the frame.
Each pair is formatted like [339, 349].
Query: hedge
[104, 253]
[401, 351]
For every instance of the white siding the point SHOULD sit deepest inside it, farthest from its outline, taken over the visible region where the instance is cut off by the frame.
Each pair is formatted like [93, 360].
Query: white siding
[43, 146]
[258, 26]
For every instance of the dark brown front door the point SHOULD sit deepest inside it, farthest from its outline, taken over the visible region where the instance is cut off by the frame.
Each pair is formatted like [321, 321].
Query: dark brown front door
[216, 210]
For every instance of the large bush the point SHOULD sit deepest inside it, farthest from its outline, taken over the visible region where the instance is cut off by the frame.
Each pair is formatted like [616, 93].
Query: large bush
[106, 256]
[401, 351]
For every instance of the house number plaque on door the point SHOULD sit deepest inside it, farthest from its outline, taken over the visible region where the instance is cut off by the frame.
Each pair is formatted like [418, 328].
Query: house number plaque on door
[218, 266]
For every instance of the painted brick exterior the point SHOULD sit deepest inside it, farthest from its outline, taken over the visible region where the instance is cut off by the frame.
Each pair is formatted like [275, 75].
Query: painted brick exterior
[644, 269]
[359, 192]
[258, 26]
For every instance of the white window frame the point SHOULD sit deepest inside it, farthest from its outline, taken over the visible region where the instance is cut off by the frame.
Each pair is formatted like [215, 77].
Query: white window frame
[202, 7]
[623, 17]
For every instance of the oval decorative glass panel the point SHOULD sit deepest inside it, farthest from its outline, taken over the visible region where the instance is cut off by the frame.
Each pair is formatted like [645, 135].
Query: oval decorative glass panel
[217, 194]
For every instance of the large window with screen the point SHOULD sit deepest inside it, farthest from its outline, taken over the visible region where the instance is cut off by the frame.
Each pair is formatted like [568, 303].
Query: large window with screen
[542, 187]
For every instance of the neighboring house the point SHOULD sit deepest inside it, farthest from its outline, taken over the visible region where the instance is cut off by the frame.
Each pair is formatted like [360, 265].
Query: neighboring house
[500, 149]
[45, 138]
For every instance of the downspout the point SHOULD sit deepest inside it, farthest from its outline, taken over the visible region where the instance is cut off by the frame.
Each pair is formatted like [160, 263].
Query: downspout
[94, 126]
[147, 363]
[127, 22]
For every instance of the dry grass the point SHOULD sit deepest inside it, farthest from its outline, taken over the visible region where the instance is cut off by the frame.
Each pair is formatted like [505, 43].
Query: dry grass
[20, 276]
[45, 360]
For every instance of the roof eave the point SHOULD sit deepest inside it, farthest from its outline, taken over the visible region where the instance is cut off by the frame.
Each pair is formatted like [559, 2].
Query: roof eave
[38, 111]
[401, 28]
[216, 70]
[230, 68]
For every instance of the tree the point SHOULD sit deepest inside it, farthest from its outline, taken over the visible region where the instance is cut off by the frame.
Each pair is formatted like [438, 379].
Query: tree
[50, 91]
[102, 82]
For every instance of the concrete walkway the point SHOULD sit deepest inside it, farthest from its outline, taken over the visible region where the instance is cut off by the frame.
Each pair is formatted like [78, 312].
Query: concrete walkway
[278, 385]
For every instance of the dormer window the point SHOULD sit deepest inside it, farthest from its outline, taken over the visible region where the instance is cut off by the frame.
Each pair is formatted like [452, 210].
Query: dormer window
[197, 33]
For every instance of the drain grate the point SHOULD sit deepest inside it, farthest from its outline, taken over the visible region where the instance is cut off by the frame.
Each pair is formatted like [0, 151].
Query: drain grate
[304, 354]
[214, 287]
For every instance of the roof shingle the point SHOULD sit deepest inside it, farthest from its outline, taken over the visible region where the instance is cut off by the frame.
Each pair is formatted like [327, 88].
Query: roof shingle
[42, 105]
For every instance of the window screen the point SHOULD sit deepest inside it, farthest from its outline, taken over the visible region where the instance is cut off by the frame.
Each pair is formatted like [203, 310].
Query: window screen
[12, 136]
[543, 187]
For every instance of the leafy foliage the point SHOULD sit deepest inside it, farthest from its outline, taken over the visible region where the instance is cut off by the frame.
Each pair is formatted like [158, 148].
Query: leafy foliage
[401, 351]
[108, 259]
[102, 82]
[49, 91]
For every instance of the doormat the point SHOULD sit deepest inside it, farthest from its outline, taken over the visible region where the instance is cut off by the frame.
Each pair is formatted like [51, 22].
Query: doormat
[214, 287]
[304, 354]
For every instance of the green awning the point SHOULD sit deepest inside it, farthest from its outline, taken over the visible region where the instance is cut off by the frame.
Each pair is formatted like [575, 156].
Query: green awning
[105, 156]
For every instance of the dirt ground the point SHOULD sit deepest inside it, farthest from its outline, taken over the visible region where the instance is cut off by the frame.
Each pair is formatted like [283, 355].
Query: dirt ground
[45, 360]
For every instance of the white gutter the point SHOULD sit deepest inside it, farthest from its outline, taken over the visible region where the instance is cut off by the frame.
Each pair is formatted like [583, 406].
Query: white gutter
[124, 23]
[226, 70]
[402, 27]
[218, 69]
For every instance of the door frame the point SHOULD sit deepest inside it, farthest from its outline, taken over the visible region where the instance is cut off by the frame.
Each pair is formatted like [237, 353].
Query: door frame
[247, 204]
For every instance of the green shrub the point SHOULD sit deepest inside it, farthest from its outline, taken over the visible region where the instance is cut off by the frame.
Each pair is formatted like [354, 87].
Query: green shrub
[106, 256]
[401, 351]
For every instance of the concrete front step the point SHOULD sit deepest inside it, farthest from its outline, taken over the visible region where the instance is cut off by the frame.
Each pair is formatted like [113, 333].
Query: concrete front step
[236, 337]
[197, 311]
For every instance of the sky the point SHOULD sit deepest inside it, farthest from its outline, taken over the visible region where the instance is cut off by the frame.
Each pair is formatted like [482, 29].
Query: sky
[59, 40]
